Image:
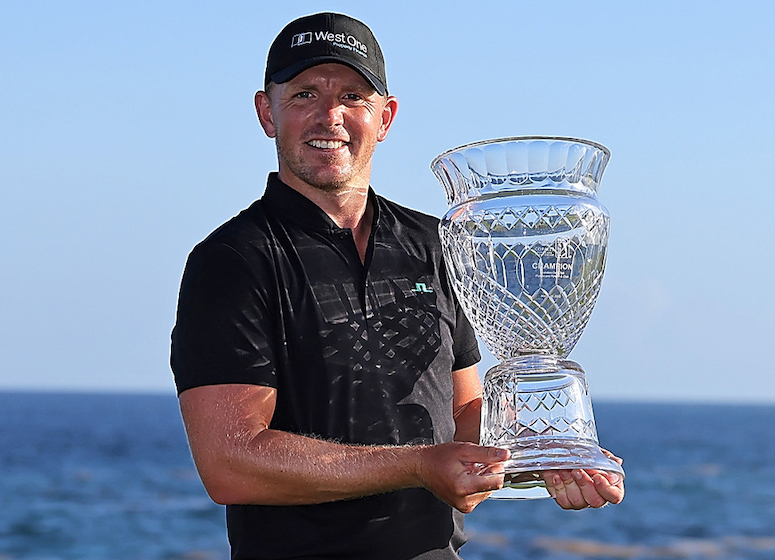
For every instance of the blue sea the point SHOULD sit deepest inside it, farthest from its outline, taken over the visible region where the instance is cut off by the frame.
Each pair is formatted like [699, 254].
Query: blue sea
[109, 477]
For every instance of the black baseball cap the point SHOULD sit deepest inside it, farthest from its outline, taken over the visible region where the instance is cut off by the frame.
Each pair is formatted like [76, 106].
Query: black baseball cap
[326, 37]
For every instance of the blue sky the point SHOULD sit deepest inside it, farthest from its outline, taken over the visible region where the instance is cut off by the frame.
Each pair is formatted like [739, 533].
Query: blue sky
[127, 134]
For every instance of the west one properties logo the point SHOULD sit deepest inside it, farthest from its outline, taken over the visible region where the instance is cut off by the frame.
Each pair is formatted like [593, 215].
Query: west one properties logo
[341, 40]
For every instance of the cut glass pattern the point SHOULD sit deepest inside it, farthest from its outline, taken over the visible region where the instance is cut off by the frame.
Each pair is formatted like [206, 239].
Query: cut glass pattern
[525, 244]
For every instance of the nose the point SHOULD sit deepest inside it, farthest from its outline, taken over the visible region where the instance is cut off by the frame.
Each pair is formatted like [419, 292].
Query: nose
[330, 111]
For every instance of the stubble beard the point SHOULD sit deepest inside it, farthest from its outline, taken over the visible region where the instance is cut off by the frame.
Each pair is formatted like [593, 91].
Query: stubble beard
[324, 182]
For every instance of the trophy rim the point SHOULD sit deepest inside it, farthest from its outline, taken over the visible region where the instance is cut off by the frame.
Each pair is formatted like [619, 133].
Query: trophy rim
[506, 139]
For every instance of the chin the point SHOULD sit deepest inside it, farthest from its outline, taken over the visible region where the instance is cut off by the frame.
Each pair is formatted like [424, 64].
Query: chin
[331, 182]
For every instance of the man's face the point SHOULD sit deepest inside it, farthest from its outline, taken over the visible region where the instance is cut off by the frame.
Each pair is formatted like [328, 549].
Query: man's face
[326, 123]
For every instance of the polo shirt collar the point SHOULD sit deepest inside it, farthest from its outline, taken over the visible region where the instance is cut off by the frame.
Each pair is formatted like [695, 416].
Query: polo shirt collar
[294, 206]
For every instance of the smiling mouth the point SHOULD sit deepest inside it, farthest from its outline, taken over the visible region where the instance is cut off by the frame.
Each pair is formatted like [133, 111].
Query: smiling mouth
[326, 144]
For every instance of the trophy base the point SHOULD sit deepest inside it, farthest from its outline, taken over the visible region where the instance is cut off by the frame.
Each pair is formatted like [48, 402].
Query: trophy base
[537, 406]
[531, 456]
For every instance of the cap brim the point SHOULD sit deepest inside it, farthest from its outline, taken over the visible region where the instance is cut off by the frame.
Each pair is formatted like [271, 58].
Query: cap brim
[290, 72]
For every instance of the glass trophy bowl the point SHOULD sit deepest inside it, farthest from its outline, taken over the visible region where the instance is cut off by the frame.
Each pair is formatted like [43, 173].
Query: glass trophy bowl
[525, 241]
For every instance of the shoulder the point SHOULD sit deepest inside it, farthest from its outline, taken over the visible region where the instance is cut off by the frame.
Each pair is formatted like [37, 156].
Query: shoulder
[245, 235]
[409, 220]
[249, 226]
[415, 233]
[234, 260]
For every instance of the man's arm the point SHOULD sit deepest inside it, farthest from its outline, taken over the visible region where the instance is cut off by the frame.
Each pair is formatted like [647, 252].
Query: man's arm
[467, 403]
[242, 461]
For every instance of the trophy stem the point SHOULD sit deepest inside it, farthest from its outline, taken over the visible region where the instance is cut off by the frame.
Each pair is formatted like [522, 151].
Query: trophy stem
[538, 407]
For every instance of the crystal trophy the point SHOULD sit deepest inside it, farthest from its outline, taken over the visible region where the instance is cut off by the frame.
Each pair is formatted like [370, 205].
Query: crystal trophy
[525, 243]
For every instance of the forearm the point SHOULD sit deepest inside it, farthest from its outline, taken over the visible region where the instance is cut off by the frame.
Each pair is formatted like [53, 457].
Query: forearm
[467, 421]
[467, 404]
[280, 468]
[242, 461]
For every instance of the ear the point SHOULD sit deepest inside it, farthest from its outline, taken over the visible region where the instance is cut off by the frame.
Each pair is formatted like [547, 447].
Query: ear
[264, 112]
[388, 116]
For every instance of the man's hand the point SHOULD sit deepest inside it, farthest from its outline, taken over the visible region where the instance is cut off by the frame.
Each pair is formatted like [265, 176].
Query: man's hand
[462, 474]
[579, 489]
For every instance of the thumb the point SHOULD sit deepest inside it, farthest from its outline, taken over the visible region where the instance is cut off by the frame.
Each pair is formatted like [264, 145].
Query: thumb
[481, 454]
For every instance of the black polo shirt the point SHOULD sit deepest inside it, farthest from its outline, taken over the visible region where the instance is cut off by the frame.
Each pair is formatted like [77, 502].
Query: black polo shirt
[358, 352]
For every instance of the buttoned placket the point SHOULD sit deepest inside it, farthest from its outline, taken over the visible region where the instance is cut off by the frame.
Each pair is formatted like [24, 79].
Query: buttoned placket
[347, 246]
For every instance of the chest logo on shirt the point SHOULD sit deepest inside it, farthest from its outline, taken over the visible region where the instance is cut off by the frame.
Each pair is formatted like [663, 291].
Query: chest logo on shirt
[421, 288]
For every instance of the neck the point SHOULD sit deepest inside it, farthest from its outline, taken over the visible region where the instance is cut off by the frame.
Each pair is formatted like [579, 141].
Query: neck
[348, 207]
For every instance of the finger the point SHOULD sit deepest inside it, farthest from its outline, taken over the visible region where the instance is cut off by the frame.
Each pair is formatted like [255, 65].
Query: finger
[567, 492]
[613, 477]
[588, 488]
[470, 502]
[493, 470]
[487, 455]
[612, 456]
[481, 469]
[483, 477]
[548, 478]
[557, 490]
[611, 492]
[483, 483]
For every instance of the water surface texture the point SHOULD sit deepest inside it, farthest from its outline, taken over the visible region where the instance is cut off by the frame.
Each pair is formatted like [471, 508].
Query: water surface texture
[109, 477]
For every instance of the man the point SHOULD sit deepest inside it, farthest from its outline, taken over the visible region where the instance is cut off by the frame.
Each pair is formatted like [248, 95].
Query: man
[326, 374]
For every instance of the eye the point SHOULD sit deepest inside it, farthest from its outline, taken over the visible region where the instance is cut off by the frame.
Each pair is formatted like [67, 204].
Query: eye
[353, 98]
[303, 95]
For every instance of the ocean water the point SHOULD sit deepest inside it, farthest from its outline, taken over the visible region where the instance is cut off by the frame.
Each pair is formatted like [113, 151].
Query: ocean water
[109, 477]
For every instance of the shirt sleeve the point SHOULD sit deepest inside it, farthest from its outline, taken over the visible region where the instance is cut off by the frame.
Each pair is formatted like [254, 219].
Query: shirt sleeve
[465, 346]
[223, 329]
